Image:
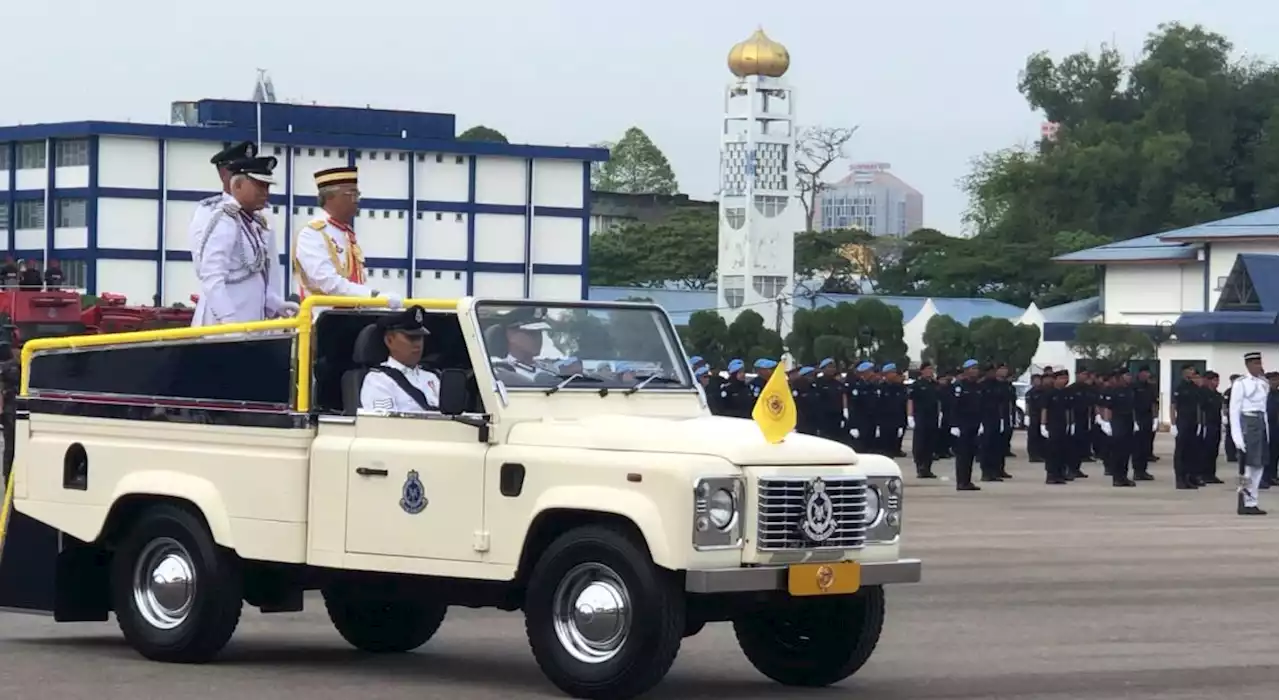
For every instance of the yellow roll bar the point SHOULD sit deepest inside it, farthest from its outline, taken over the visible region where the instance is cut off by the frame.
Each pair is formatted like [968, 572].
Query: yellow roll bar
[302, 323]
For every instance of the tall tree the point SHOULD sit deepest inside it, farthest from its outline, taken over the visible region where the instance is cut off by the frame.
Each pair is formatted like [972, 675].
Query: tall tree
[635, 166]
[1109, 346]
[481, 132]
[833, 256]
[816, 148]
[680, 249]
[867, 329]
[947, 343]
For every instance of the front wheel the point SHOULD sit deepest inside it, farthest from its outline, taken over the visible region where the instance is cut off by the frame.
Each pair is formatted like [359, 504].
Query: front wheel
[382, 626]
[814, 641]
[603, 621]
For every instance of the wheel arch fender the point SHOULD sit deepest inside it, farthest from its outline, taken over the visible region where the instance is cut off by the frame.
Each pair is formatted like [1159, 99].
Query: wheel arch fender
[636, 508]
[163, 484]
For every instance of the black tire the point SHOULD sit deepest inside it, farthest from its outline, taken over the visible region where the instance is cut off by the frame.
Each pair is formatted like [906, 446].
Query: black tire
[214, 610]
[813, 642]
[657, 614]
[382, 626]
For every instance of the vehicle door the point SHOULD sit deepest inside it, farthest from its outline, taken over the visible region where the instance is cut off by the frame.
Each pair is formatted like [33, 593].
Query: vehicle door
[415, 487]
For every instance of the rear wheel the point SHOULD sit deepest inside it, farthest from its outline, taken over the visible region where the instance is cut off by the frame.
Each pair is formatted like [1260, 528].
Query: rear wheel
[176, 593]
[602, 620]
[382, 625]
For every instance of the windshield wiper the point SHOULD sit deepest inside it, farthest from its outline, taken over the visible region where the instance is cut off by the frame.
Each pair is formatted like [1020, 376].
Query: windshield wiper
[645, 380]
[567, 379]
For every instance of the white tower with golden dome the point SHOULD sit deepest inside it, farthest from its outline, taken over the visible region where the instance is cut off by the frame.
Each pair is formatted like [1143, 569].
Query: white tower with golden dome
[759, 211]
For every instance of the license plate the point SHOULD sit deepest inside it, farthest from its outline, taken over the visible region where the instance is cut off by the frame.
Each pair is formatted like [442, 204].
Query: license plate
[824, 579]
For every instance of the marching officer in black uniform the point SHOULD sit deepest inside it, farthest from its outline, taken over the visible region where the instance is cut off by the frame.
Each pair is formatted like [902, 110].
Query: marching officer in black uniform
[859, 408]
[1010, 395]
[966, 427]
[892, 411]
[735, 396]
[830, 401]
[1186, 430]
[808, 401]
[1053, 425]
[925, 420]
[1118, 425]
[1211, 407]
[1040, 385]
[1082, 401]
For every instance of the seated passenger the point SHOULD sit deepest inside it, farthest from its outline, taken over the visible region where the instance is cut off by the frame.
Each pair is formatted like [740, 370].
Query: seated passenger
[523, 328]
[399, 384]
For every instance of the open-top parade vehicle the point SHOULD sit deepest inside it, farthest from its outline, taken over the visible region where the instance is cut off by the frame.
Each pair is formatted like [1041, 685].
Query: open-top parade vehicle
[169, 476]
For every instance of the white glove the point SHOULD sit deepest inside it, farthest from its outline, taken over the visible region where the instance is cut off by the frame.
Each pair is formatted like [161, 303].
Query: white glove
[1097, 420]
[855, 433]
[1240, 449]
[980, 429]
[1071, 429]
[289, 309]
[1106, 427]
[939, 420]
[911, 423]
[1155, 425]
[1225, 422]
[877, 431]
[1135, 426]
[955, 432]
[1173, 430]
[1044, 431]
[1026, 421]
[394, 301]
[899, 432]
[845, 412]
[1001, 426]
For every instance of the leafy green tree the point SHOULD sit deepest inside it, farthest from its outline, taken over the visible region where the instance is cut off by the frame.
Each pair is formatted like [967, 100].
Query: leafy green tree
[747, 338]
[1108, 346]
[681, 248]
[821, 254]
[482, 133]
[635, 166]
[946, 342]
[867, 329]
[987, 339]
[706, 335]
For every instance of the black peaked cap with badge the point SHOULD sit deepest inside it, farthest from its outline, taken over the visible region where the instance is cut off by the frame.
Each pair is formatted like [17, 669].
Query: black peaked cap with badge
[234, 152]
[528, 318]
[411, 321]
[259, 169]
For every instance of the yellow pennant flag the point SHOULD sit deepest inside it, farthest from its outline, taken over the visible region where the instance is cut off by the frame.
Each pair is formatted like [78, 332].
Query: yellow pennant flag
[775, 410]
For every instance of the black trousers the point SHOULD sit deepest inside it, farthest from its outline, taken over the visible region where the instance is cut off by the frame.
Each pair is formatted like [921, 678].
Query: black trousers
[923, 445]
[1210, 448]
[966, 446]
[1057, 458]
[1269, 471]
[1143, 442]
[1082, 441]
[1184, 454]
[1035, 441]
[1230, 448]
[991, 450]
[1008, 439]
[1120, 447]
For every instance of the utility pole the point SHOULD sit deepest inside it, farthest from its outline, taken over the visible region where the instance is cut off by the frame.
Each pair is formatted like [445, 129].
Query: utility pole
[777, 316]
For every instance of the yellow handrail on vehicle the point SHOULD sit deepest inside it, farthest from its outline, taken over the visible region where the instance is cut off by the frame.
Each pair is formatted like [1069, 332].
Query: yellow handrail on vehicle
[302, 323]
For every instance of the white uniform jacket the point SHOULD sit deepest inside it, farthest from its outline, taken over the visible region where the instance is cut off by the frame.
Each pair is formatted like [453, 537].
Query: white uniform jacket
[379, 392]
[237, 262]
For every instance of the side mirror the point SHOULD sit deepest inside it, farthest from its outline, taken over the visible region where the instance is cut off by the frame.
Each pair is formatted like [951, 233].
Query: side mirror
[453, 392]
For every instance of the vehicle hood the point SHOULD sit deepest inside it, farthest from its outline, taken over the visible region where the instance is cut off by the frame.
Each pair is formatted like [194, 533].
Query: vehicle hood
[735, 439]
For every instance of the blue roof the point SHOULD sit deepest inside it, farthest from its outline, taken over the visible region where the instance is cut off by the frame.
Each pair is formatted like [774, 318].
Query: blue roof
[1228, 327]
[1264, 272]
[1172, 246]
[1256, 224]
[1078, 311]
[1142, 248]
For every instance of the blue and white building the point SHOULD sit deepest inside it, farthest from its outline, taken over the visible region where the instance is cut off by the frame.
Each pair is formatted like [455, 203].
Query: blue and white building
[111, 202]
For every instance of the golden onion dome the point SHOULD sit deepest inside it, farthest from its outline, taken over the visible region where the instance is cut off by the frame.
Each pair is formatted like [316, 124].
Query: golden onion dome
[759, 55]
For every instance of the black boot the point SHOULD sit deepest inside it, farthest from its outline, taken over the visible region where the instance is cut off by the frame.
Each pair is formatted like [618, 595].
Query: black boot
[968, 486]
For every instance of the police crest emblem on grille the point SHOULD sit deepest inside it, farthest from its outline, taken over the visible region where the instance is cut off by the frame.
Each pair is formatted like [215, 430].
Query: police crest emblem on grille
[819, 521]
[413, 497]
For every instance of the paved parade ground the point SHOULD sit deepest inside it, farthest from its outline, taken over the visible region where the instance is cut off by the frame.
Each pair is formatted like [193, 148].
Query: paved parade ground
[1030, 591]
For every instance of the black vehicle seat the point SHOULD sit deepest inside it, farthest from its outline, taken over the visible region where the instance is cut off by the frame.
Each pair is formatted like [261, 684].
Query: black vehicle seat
[368, 351]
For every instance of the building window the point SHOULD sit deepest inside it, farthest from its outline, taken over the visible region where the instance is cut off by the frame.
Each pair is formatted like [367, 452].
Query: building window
[72, 213]
[438, 274]
[29, 214]
[4, 215]
[457, 218]
[439, 157]
[439, 216]
[457, 275]
[31, 155]
[75, 273]
[459, 160]
[71, 154]
[769, 286]
[4, 156]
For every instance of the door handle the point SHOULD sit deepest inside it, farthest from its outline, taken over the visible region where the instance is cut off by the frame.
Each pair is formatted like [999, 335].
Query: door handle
[369, 471]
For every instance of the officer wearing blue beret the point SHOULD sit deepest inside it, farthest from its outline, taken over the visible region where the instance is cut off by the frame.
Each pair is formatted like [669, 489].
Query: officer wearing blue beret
[966, 427]
[860, 395]
[736, 399]
[829, 401]
[892, 411]
[764, 369]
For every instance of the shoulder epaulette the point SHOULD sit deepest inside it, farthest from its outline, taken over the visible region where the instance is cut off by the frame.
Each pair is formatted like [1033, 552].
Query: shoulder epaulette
[317, 224]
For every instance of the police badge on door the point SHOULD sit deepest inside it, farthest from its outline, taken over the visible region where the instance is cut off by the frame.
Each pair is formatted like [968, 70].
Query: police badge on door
[413, 497]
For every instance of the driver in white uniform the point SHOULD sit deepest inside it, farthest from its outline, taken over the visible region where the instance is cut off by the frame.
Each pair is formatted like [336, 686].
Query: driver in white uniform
[399, 384]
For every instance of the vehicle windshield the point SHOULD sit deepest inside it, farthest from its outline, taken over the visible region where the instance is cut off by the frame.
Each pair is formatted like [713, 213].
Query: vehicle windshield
[606, 347]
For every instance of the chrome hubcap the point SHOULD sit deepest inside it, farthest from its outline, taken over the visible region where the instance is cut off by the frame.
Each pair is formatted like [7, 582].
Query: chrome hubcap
[592, 613]
[164, 583]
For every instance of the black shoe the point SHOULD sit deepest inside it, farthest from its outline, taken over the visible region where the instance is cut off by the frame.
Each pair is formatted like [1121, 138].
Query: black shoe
[1143, 476]
[1250, 510]
[926, 475]
[1122, 481]
[1077, 474]
[1185, 486]
[1006, 475]
[992, 479]
[1196, 482]
[1153, 458]
[1010, 454]
[1054, 480]
[1214, 480]
[970, 486]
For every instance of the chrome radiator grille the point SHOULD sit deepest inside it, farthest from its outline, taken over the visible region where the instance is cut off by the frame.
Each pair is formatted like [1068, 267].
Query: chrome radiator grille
[782, 513]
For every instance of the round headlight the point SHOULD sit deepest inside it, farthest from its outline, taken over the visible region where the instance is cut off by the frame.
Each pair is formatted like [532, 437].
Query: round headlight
[873, 506]
[720, 508]
[894, 486]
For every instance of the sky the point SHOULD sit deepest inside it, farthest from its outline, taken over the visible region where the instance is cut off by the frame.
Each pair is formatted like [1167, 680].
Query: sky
[930, 84]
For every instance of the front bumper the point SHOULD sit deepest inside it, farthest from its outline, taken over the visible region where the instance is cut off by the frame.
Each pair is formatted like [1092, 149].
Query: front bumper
[774, 578]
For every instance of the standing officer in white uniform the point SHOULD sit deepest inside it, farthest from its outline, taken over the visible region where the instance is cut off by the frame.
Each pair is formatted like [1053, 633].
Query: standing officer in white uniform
[1248, 418]
[399, 384]
[326, 257]
[206, 206]
[235, 256]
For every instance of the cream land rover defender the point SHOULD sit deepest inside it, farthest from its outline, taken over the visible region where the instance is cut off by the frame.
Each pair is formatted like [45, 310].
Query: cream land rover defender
[171, 476]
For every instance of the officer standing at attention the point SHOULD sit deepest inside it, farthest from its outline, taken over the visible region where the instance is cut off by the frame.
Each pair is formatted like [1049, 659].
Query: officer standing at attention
[220, 161]
[1040, 384]
[1186, 430]
[764, 370]
[1081, 422]
[736, 398]
[1230, 446]
[1009, 422]
[925, 420]
[1249, 430]
[1101, 440]
[1118, 425]
[830, 401]
[806, 399]
[945, 441]
[1214, 410]
[859, 408]
[967, 427]
[1054, 426]
[1145, 410]
[892, 412]
[399, 384]
[326, 257]
[993, 411]
[235, 255]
